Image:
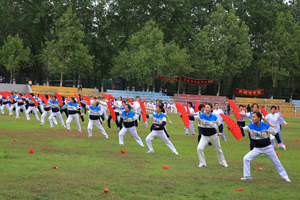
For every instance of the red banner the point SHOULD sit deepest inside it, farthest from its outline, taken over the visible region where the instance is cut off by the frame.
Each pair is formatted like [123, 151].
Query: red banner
[249, 92]
[198, 81]
[169, 79]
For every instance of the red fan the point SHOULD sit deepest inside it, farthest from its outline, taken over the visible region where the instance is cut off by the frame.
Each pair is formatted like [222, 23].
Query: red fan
[43, 98]
[184, 116]
[32, 99]
[20, 97]
[59, 99]
[233, 127]
[145, 100]
[11, 98]
[87, 100]
[49, 97]
[197, 104]
[67, 100]
[187, 109]
[130, 101]
[204, 104]
[264, 112]
[235, 109]
[78, 99]
[112, 112]
[109, 96]
[93, 96]
[4, 95]
[69, 97]
[144, 113]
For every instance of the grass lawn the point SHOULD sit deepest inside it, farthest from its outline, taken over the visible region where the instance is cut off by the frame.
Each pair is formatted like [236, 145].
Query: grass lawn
[87, 166]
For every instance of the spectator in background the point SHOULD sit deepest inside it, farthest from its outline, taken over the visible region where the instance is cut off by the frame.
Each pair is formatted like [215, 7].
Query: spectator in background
[79, 87]
[248, 108]
[30, 82]
[228, 109]
[166, 91]
[3, 80]
[0, 79]
[26, 81]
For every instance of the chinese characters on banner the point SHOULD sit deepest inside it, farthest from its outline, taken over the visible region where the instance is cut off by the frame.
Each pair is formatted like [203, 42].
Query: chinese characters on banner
[188, 80]
[198, 81]
[249, 92]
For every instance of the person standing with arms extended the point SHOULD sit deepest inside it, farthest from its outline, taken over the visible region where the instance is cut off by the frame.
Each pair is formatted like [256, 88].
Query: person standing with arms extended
[241, 122]
[208, 121]
[73, 108]
[217, 111]
[54, 104]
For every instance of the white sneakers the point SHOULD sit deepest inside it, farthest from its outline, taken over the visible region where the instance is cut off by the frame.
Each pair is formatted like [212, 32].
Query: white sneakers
[150, 152]
[121, 145]
[106, 137]
[246, 178]
[201, 165]
[287, 180]
[176, 153]
[224, 165]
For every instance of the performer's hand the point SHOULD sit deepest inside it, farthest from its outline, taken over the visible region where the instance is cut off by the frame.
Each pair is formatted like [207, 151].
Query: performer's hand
[278, 145]
[273, 126]
[103, 121]
[156, 126]
[170, 122]
[219, 134]
[134, 127]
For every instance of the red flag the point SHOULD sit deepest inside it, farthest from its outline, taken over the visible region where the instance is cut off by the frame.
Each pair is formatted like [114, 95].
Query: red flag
[143, 111]
[78, 99]
[124, 152]
[264, 112]
[233, 127]
[187, 109]
[235, 109]
[130, 101]
[112, 112]
[197, 104]
[165, 167]
[184, 116]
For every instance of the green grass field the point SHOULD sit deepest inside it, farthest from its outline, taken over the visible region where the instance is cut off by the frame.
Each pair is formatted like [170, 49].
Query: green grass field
[87, 166]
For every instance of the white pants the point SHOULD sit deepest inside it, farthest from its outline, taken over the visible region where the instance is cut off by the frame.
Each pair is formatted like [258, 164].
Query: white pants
[215, 141]
[32, 108]
[98, 125]
[19, 108]
[138, 119]
[162, 135]
[45, 114]
[270, 153]
[191, 128]
[133, 133]
[3, 106]
[58, 115]
[69, 120]
[105, 114]
[12, 107]
[42, 108]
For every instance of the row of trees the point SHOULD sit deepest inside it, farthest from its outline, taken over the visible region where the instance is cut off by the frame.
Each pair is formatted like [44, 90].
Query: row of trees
[245, 44]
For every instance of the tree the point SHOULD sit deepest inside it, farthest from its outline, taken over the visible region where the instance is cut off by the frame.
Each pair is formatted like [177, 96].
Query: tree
[13, 54]
[66, 52]
[228, 42]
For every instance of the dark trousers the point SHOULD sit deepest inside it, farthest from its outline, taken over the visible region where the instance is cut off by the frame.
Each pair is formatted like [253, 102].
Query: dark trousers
[65, 111]
[109, 119]
[241, 124]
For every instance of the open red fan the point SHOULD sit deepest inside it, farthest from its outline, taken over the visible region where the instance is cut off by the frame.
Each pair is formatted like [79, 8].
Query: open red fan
[4, 95]
[32, 99]
[130, 101]
[187, 109]
[93, 96]
[184, 116]
[59, 99]
[43, 98]
[87, 100]
[235, 109]
[264, 112]
[197, 104]
[11, 98]
[233, 127]
[143, 112]
[112, 112]
[109, 96]
[20, 97]
[78, 100]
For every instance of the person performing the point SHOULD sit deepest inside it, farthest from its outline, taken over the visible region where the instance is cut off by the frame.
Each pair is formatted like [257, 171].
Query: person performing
[276, 119]
[14, 104]
[5, 104]
[191, 122]
[54, 104]
[137, 108]
[217, 111]
[32, 107]
[159, 121]
[258, 131]
[130, 124]
[73, 108]
[241, 122]
[94, 119]
[208, 121]
[47, 110]
[21, 105]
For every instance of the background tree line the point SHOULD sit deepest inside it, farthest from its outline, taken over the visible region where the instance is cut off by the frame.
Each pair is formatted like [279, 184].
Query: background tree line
[247, 44]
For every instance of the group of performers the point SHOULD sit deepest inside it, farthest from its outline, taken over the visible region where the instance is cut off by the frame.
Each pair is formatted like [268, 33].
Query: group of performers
[127, 115]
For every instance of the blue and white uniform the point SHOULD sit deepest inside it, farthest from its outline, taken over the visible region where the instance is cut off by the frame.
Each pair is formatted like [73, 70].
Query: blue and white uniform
[130, 124]
[12, 105]
[94, 119]
[137, 108]
[160, 121]
[191, 127]
[54, 105]
[32, 107]
[276, 119]
[209, 134]
[72, 111]
[21, 105]
[4, 104]
[46, 110]
[262, 145]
